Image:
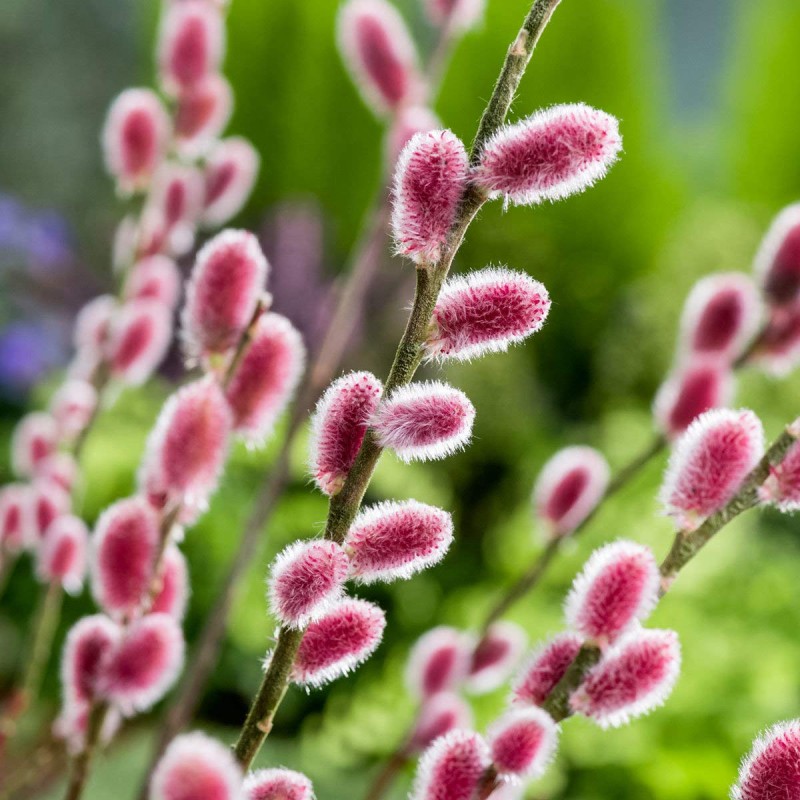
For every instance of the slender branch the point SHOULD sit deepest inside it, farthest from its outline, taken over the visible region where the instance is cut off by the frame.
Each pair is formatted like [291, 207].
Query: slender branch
[385, 778]
[344, 506]
[79, 772]
[686, 545]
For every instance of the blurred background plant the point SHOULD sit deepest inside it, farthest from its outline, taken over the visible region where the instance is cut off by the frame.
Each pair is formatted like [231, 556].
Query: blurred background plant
[707, 98]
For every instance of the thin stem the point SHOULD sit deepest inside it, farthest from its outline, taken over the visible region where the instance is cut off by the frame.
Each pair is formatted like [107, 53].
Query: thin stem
[79, 772]
[685, 546]
[386, 777]
[8, 561]
[344, 506]
[35, 660]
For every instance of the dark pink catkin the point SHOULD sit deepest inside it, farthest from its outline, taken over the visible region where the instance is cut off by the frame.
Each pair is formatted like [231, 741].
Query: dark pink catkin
[424, 421]
[266, 377]
[430, 177]
[495, 656]
[634, 677]
[439, 714]
[380, 54]
[544, 668]
[196, 767]
[227, 281]
[691, 391]
[617, 588]
[439, 661]
[452, 767]
[771, 771]
[394, 540]
[338, 426]
[306, 579]
[484, 312]
[777, 263]
[231, 170]
[550, 155]
[123, 555]
[338, 642]
[569, 487]
[188, 446]
[522, 742]
[709, 463]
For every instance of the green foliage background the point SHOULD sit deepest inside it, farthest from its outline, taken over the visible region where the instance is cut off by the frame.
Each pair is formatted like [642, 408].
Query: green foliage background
[691, 195]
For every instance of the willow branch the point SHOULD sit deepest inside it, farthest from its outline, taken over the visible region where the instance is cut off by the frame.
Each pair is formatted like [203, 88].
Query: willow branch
[345, 505]
[686, 545]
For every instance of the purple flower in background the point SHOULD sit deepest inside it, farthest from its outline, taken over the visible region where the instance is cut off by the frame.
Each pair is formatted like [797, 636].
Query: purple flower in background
[28, 350]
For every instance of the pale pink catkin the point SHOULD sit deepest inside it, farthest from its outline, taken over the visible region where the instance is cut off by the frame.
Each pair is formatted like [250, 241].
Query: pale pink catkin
[338, 642]
[231, 170]
[394, 540]
[709, 463]
[439, 661]
[277, 784]
[430, 177]
[338, 426]
[544, 668]
[569, 487]
[484, 312]
[777, 262]
[550, 155]
[424, 421]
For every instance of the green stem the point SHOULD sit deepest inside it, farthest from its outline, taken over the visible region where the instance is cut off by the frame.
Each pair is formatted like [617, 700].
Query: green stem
[79, 773]
[686, 545]
[345, 505]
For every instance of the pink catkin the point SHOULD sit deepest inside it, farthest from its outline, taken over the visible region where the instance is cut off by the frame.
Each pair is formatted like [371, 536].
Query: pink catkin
[380, 54]
[458, 14]
[424, 421]
[176, 199]
[227, 281]
[709, 463]
[266, 377]
[338, 642]
[191, 44]
[778, 350]
[617, 588]
[144, 664]
[495, 656]
[484, 312]
[394, 540]
[196, 767]
[777, 263]
[338, 427]
[14, 502]
[201, 115]
[92, 325]
[550, 155]
[173, 594]
[123, 555]
[277, 784]
[231, 171]
[154, 278]
[306, 579]
[634, 677]
[61, 468]
[782, 487]
[439, 661]
[452, 767]
[138, 340]
[439, 714]
[522, 743]
[545, 667]
[72, 406]
[720, 316]
[188, 446]
[87, 651]
[690, 392]
[135, 138]
[35, 438]
[63, 554]
[569, 487]
[771, 771]
[47, 501]
[430, 177]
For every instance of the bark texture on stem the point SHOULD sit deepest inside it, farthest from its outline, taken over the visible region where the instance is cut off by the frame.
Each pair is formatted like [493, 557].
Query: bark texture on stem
[345, 505]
